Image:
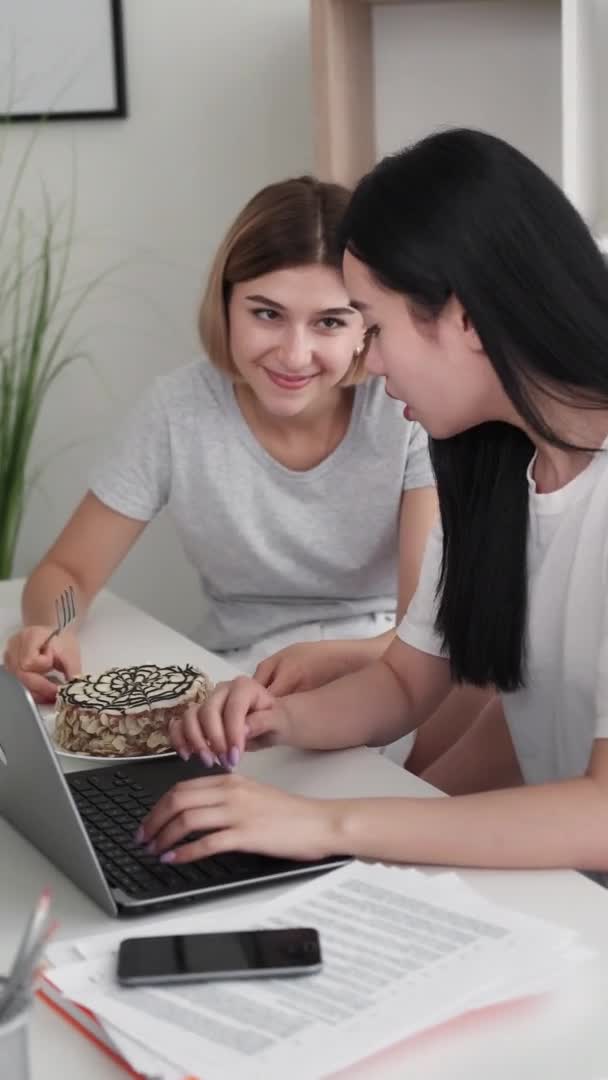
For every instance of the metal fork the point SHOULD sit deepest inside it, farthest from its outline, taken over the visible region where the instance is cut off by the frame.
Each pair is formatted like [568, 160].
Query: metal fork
[65, 610]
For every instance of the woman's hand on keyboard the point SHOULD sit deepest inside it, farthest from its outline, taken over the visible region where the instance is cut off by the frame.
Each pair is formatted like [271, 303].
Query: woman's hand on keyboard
[238, 814]
[239, 715]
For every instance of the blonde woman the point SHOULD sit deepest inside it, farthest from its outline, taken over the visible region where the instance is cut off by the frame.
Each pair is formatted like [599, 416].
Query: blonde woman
[299, 494]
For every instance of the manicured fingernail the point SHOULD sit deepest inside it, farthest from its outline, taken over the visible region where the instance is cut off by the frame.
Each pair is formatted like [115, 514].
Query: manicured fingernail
[169, 856]
[207, 759]
[151, 848]
[140, 835]
[223, 759]
[234, 756]
[184, 754]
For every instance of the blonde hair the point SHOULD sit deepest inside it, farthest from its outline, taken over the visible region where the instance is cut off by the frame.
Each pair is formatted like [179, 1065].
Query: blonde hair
[292, 223]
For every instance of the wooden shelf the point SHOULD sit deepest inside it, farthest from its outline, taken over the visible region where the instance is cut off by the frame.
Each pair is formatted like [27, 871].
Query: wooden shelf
[343, 110]
[533, 71]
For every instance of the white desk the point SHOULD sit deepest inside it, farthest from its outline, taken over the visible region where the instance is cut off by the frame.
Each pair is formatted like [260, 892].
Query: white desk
[547, 1045]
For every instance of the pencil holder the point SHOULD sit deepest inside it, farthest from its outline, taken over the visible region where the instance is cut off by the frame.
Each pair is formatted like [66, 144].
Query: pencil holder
[15, 1040]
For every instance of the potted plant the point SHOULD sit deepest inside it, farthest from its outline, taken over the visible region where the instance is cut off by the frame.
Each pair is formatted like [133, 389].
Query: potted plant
[36, 312]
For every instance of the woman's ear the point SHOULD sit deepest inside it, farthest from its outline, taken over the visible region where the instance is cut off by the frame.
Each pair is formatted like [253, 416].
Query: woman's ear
[465, 324]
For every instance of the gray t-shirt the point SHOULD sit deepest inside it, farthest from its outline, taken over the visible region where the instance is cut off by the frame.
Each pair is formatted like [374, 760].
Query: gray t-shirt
[273, 547]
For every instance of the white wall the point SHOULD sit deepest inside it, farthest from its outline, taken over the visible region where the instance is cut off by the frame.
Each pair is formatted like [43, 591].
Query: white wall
[219, 105]
[585, 86]
[494, 66]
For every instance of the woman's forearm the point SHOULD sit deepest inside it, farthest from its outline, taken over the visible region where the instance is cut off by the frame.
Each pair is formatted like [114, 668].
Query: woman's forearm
[482, 759]
[43, 587]
[439, 732]
[91, 546]
[368, 707]
[367, 650]
[563, 824]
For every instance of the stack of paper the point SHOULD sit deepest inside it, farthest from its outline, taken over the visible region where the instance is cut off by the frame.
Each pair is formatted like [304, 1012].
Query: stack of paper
[402, 952]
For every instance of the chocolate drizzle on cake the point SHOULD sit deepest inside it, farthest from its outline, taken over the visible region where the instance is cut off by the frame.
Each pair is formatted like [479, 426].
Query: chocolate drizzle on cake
[127, 711]
[128, 689]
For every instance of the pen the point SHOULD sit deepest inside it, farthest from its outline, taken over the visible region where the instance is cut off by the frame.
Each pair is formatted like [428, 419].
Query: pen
[29, 948]
[32, 965]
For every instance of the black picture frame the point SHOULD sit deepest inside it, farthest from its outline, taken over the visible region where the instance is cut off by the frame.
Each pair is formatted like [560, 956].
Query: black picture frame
[119, 110]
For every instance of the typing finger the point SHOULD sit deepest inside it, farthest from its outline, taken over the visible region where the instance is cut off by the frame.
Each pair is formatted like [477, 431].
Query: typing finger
[212, 843]
[197, 820]
[190, 795]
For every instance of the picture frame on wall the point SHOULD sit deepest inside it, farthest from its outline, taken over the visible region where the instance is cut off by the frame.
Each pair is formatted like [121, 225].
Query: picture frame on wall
[62, 60]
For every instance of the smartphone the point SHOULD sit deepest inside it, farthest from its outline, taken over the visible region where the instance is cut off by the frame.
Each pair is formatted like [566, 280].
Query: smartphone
[241, 954]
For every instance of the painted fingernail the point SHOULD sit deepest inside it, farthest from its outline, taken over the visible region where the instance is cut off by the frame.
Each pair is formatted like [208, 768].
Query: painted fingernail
[184, 754]
[140, 835]
[207, 759]
[169, 856]
[151, 848]
[234, 756]
[223, 759]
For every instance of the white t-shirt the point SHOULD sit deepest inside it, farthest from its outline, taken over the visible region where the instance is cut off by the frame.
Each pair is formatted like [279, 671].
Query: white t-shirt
[555, 718]
[274, 548]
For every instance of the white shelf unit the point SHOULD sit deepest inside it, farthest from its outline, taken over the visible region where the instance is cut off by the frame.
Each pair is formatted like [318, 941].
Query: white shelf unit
[584, 113]
[533, 71]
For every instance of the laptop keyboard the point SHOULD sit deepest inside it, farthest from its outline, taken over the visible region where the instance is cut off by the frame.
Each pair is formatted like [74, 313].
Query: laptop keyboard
[113, 802]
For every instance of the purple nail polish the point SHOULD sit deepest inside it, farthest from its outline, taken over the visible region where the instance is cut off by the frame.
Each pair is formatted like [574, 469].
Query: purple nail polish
[207, 759]
[223, 760]
[140, 836]
[169, 856]
[151, 848]
[184, 754]
[234, 756]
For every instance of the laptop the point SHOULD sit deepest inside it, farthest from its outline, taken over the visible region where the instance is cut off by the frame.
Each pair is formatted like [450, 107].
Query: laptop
[85, 821]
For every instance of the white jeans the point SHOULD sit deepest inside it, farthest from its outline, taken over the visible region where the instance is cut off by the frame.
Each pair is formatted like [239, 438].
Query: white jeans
[355, 627]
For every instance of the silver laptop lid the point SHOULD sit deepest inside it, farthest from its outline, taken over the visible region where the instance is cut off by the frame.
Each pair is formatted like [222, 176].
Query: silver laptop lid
[35, 798]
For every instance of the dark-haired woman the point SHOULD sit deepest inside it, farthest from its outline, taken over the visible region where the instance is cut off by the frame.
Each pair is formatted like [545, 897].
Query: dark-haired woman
[487, 301]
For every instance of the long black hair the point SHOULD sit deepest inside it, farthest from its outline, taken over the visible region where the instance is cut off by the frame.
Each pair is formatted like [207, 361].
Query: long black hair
[464, 214]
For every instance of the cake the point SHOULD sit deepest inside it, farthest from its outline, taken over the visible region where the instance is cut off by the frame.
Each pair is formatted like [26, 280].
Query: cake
[126, 711]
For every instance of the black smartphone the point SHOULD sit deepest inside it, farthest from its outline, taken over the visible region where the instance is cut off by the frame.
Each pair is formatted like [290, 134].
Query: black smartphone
[241, 954]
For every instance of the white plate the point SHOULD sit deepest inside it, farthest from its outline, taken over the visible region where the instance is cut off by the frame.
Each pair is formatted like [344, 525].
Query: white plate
[48, 716]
